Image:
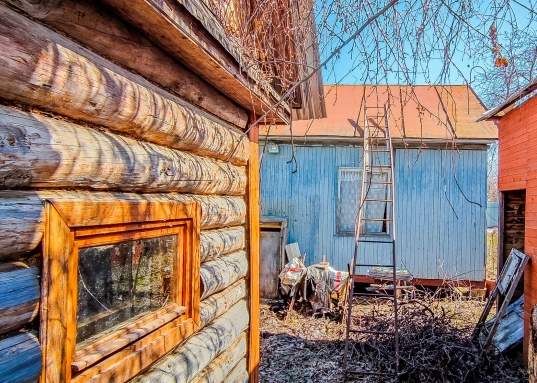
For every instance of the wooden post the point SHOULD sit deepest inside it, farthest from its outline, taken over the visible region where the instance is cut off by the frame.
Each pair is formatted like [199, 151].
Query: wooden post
[253, 225]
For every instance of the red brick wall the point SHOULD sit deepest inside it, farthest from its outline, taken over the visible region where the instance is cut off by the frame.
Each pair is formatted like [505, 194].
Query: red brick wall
[518, 170]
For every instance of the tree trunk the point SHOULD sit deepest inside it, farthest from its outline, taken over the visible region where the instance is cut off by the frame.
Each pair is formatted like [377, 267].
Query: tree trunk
[19, 297]
[217, 304]
[216, 243]
[22, 214]
[187, 360]
[218, 274]
[224, 363]
[20, 359]
[53, 73]
[42, 152]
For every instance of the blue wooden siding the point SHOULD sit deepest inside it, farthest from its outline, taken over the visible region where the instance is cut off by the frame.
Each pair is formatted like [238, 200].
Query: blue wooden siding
[439, 232]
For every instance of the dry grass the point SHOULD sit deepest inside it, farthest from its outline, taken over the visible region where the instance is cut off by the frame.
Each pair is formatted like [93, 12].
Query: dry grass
[435, 345]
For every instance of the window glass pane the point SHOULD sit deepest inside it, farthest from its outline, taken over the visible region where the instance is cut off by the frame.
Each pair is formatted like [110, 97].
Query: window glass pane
[120, 282]
[349, 198]
[350, 185]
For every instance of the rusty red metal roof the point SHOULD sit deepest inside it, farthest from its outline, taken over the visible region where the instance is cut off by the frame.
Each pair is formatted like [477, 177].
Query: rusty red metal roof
[428, 112]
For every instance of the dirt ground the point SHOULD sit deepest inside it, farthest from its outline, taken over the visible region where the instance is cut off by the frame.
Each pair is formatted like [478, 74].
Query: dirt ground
[435, 344]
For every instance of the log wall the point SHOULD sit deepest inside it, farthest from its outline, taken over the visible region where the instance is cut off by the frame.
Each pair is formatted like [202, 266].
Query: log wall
[75, 18]
[80, 119]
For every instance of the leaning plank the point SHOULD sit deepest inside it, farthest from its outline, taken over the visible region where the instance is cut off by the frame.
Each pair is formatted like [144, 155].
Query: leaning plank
[222, 365]
[215, 243]
[38, 151]
[218, 274]
[20, 359]
[54, 73]
[217, 304]
[19, 297]
[238, 374]
[22, 214]
[110, 37]
[186, 361]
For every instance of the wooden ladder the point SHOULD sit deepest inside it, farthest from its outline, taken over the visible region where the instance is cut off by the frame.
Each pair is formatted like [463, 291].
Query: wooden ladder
[377, 171]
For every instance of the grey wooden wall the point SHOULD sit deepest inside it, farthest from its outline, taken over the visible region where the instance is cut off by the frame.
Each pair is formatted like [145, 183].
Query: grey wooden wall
[440, 201]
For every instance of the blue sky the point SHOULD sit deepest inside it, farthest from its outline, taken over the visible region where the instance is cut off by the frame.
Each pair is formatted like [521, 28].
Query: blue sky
[342, 71]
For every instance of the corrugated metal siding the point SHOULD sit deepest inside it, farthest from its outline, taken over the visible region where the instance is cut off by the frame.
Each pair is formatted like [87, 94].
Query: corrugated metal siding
[439, 232]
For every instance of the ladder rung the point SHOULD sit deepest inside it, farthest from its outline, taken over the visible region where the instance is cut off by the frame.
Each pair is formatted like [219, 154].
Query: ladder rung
[373, 265]
[378, 183]
[378, 200]
[372, 332]
[387, 166]
[376, 219]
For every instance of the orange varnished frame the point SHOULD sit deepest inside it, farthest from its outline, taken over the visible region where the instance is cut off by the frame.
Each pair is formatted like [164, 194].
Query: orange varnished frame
[75, 224]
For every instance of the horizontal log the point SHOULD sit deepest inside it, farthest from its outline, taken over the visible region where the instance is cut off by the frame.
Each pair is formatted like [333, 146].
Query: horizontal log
[218, 274]
[217, 304]
[215, 243]
[52, 72]
[187, 360]
[224, 363]
[104, 33]
[38, 151]
[20, 359]
[22, 213]
[19, 297]
[239, 374]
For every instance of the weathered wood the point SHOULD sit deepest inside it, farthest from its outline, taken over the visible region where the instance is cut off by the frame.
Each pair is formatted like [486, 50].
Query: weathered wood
[20, 359]
[19, 297]
[217, 304]
[58, 298]
[218, 274]
[22, 220]
[172, 27]
[239, 374]
[39, 151]
[112, 38]
[130, 361]
[56, 74]
[187, 360]
[215, 243]
[224, 363]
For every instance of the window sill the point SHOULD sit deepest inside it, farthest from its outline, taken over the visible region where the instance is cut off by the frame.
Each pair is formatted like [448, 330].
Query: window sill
[96, 351]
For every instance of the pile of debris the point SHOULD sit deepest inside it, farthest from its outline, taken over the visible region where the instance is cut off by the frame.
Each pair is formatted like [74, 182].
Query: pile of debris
[435, 345]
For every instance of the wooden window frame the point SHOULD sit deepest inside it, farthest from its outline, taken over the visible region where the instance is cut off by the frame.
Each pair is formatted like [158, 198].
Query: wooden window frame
[125, 352]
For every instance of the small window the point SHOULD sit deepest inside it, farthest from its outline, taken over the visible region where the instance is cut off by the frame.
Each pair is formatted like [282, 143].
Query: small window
[120, 286]
[349, 191]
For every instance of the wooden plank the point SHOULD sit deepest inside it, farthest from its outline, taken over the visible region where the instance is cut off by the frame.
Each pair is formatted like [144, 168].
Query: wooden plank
[292, 250]
[174, 29]
[253, 246]
[20, 359]
[110, 37]
[215, 243]
[222, 272]
[44, 152]
[19, 296]
[119, 339]
[56, 74]
[224, 363]
[192, 356]
[58, 297]
[22, 213]
[217, 304]
[130, 361]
